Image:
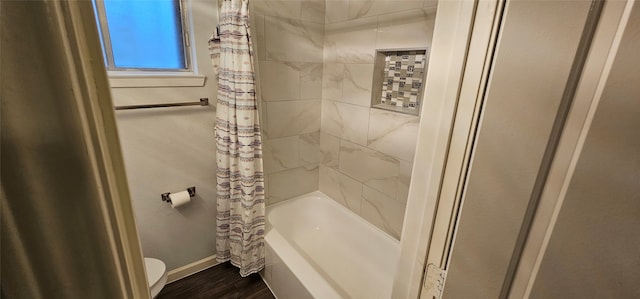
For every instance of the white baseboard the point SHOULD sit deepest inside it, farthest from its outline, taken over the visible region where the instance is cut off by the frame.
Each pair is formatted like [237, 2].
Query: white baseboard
[190, 269]
[265, 282]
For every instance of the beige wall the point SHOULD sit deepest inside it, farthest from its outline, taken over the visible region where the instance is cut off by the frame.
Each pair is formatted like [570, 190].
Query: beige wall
[594, 249]
[167, 150]
[367, 154]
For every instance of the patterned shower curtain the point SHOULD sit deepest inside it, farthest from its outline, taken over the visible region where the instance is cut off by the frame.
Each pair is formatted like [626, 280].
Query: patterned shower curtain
[240, 179]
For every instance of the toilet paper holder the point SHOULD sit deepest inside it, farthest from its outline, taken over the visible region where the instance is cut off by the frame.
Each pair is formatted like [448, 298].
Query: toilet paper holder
[191, 190]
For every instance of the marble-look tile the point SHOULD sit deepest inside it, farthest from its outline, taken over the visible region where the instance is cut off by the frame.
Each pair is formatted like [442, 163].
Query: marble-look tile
[351, 41]
[404, 180]
[393, 133]
[311, 80]
[279, 80]
[309, 146]
[290, 183]
[356, 88]
[293, 40]
[374, 169]
[258, 31]
[336, 11]
[313, 11]
[289, 118]
[332, 77]
[430, 5]
[345, 121]
[278, 8]
[262, 109]
[280, 154]
[343, 189]
[365, 8]
[330, 150]
[382, 211]
[407, 29]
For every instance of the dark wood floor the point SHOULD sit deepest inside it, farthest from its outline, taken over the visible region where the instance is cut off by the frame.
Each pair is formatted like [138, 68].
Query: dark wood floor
[221, 281]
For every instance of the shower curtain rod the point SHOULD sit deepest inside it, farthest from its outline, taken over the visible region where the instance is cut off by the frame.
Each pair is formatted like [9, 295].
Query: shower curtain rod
[202, 102]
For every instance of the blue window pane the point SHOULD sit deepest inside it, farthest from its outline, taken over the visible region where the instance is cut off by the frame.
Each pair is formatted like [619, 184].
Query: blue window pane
[145, 33]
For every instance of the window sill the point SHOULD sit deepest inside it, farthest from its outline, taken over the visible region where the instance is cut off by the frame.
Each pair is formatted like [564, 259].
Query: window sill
[156, 80]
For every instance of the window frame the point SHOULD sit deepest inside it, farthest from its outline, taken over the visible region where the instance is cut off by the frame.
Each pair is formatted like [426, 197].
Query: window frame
[112, 70]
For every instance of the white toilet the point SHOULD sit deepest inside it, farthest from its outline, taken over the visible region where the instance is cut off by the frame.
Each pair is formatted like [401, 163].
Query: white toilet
[156, 275]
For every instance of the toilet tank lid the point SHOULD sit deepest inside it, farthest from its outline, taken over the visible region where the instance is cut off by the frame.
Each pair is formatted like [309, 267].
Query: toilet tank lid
[155, 269]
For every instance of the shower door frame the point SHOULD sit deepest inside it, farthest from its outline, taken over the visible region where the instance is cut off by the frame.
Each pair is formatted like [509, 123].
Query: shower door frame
[445, 193]
[461, 52]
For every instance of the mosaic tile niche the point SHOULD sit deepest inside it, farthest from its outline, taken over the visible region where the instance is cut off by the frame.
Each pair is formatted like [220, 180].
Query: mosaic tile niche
[398, 82]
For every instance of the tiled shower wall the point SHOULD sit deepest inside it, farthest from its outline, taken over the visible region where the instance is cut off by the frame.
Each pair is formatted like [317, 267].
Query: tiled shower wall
[367, 154]
[315, 71]
[290, 38]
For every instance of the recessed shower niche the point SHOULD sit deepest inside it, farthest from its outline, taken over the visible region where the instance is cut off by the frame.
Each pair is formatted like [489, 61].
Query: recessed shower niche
[398, 79]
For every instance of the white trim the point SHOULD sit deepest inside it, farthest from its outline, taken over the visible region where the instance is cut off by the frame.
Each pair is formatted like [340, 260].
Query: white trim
[188, 52]
[122, 80]
[267, 283]
[453, 27]
[190, 269]
[476, 73]
[79, 44]
[189, 29]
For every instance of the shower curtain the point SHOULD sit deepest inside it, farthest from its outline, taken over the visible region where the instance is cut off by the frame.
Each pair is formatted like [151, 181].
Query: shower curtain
[240, 178]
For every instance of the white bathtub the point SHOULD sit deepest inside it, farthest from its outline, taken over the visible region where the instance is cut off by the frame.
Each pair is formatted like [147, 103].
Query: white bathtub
[316, 248]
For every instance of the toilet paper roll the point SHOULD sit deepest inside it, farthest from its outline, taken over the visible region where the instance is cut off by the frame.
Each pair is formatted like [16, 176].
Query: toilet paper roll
[179, 199]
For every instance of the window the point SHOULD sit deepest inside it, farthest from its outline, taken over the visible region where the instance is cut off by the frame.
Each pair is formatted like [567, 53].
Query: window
[143, 35]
